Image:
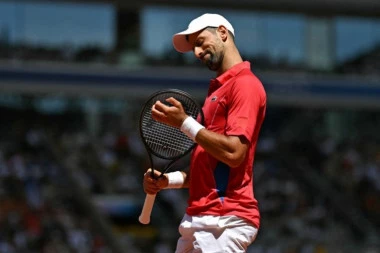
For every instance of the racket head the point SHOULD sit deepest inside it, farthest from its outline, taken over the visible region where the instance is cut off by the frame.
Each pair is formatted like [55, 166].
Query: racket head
[162, 140]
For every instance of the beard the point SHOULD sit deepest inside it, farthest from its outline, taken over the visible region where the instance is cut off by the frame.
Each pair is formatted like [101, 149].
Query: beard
[214, 62]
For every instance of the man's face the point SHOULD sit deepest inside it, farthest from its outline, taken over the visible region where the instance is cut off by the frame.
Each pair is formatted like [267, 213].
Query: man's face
[208, 47]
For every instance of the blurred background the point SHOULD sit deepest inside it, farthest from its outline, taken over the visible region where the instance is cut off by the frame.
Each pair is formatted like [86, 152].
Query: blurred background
[75, 74]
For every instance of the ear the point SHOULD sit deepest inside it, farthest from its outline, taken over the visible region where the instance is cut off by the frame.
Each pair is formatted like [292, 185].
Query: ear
[223, 32]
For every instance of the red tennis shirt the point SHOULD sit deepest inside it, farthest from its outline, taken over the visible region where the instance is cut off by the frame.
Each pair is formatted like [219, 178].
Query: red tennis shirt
[235, 105]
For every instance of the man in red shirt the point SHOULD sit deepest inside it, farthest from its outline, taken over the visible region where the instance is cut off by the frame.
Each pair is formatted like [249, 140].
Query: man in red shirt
[222, 213]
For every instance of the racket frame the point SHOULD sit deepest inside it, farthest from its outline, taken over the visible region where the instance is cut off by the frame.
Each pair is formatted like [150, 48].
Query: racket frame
[144, 217]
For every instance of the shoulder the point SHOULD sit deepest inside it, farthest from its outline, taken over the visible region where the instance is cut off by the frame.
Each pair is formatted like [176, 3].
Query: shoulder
[247, 81]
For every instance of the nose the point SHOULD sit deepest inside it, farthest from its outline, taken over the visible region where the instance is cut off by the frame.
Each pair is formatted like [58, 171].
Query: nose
[198, 52]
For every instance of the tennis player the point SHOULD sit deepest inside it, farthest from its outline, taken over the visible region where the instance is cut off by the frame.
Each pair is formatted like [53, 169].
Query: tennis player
[222, 213]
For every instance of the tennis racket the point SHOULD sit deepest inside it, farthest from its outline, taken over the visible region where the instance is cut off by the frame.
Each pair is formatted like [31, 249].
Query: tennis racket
[164, 141]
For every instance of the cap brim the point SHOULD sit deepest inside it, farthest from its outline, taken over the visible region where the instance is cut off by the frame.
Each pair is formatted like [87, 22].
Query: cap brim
[179, 40]
[181, 44]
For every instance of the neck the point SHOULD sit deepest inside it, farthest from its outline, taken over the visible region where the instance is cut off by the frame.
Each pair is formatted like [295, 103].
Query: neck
[231, 58]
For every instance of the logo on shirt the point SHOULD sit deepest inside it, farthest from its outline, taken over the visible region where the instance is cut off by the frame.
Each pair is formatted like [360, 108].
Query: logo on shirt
[214, 98]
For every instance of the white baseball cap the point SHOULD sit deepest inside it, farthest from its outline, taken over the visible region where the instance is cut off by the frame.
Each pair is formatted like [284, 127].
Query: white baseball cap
[214, 20]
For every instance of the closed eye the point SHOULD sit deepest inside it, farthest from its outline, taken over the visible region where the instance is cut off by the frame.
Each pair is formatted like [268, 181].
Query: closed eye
[198, 43]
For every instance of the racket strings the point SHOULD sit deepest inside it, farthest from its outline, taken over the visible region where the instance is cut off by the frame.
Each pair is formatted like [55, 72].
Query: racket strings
[166, 141]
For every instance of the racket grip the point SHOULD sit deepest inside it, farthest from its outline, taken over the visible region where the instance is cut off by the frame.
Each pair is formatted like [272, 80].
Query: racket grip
[147, 208]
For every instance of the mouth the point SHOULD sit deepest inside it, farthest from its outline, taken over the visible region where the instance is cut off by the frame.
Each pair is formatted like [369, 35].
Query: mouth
[204, 57]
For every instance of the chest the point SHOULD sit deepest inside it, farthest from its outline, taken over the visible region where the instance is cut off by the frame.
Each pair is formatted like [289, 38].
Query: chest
[215, 110]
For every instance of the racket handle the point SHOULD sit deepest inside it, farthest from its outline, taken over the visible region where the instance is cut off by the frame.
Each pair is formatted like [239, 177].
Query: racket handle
[147, 208]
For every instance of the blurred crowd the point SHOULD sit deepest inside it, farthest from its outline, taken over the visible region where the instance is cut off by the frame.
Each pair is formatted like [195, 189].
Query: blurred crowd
[40, 213]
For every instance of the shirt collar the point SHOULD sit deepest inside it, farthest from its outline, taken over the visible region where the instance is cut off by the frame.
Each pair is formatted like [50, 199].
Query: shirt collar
[226, 76]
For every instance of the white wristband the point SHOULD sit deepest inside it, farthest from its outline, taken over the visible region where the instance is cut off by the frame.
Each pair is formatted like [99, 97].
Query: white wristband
[191, 127]
[176, 179]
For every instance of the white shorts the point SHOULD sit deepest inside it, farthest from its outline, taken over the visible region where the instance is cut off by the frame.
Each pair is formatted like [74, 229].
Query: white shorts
[215, 234]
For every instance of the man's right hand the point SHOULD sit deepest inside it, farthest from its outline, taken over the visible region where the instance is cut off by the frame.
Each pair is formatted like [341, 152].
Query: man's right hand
[152, 185]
